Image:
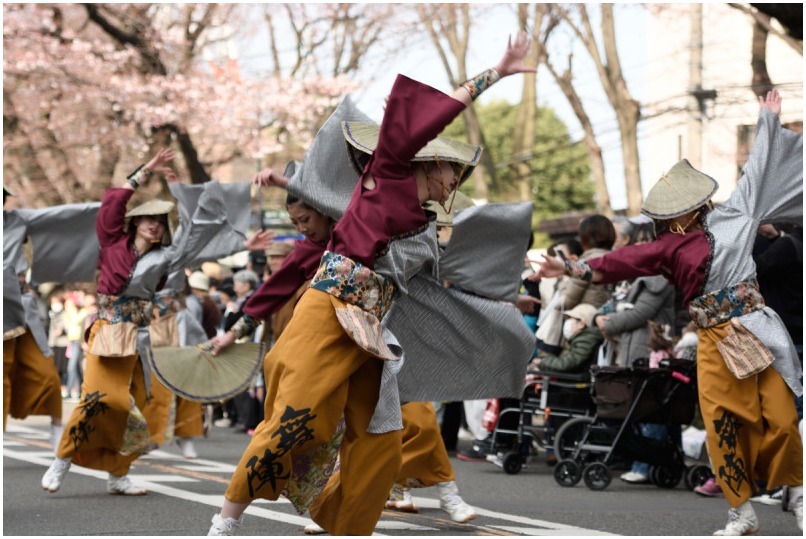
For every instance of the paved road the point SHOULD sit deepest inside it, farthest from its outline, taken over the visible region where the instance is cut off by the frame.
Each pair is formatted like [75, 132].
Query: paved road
[183, 496]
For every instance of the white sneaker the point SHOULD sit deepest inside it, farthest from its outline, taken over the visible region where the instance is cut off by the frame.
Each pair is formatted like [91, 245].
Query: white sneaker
[796, 506]
[56, 432]
[400, 499]
[453, 504]
[187, 449]
[741, 521]
[54, 477]
[634, 477]
[123, 486]
[314, 529]
[224, 526]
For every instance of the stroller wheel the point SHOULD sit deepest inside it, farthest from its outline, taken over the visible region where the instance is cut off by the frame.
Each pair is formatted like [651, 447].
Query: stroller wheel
[666, 476]
[596, 476]
[513, 462]
[697, 475]
[569, 436]
[567, 473]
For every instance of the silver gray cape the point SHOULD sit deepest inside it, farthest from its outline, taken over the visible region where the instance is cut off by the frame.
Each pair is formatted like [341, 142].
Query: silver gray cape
[64, 245]
[467, 341]
[770, 189]
[325, 179]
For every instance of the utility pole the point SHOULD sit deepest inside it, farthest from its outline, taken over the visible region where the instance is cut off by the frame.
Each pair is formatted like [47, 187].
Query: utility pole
[696, 103]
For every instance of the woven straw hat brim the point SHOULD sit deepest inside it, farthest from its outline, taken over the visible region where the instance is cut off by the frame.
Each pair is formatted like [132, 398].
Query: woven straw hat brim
[363, 137]
[679, 191]
[195, 374]
[152, 207]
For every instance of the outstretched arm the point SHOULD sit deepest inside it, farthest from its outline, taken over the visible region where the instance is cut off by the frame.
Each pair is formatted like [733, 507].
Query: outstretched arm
[554, 266]
[510, 64]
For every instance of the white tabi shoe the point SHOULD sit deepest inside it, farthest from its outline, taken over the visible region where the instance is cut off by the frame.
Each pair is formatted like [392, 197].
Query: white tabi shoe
[453, 504]
[741, 521]
[123, 486]
[54, 477]
[186, 447]
[225, 526]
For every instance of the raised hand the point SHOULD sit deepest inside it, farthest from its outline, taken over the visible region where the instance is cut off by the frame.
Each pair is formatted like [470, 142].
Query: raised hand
[260, 240]
[772, 102]
[512, 62]
[163, 157]
[268, 177]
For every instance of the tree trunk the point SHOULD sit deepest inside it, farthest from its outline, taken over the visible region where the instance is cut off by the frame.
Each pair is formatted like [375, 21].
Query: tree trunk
[47, 148]
[109, 158]
[594, 150]
[523, 138]
[195, 168]
[628, 124]
[761, 83]
[627, 110]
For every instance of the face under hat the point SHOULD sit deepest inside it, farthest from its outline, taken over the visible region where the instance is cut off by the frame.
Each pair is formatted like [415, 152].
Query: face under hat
[444, 218]
[152, 208]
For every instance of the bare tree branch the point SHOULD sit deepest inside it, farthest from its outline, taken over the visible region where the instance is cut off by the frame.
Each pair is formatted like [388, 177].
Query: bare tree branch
[797, 45]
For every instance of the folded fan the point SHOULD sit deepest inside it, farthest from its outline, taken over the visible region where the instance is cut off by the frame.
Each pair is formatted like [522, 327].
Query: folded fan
[194, 373]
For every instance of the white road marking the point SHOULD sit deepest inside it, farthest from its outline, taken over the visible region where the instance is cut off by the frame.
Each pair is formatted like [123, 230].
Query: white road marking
[576, 532]
[156, 483]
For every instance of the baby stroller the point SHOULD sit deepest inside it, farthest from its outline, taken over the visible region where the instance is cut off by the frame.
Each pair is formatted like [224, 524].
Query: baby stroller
[545, 395]
[625, 397]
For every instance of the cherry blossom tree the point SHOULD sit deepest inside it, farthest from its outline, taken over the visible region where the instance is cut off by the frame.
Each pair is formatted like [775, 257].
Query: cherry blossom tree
[90, 90]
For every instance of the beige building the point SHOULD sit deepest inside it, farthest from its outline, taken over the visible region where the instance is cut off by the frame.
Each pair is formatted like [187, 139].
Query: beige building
[726, 128]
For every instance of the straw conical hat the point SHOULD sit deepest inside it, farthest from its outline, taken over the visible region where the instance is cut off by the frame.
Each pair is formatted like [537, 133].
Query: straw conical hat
[152, 207]
[194, 373]
[678, 192]
[362, 138]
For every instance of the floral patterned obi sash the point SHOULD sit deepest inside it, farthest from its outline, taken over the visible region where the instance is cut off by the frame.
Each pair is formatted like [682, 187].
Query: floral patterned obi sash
[116, 309]
[354, 283]
[733, 301]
